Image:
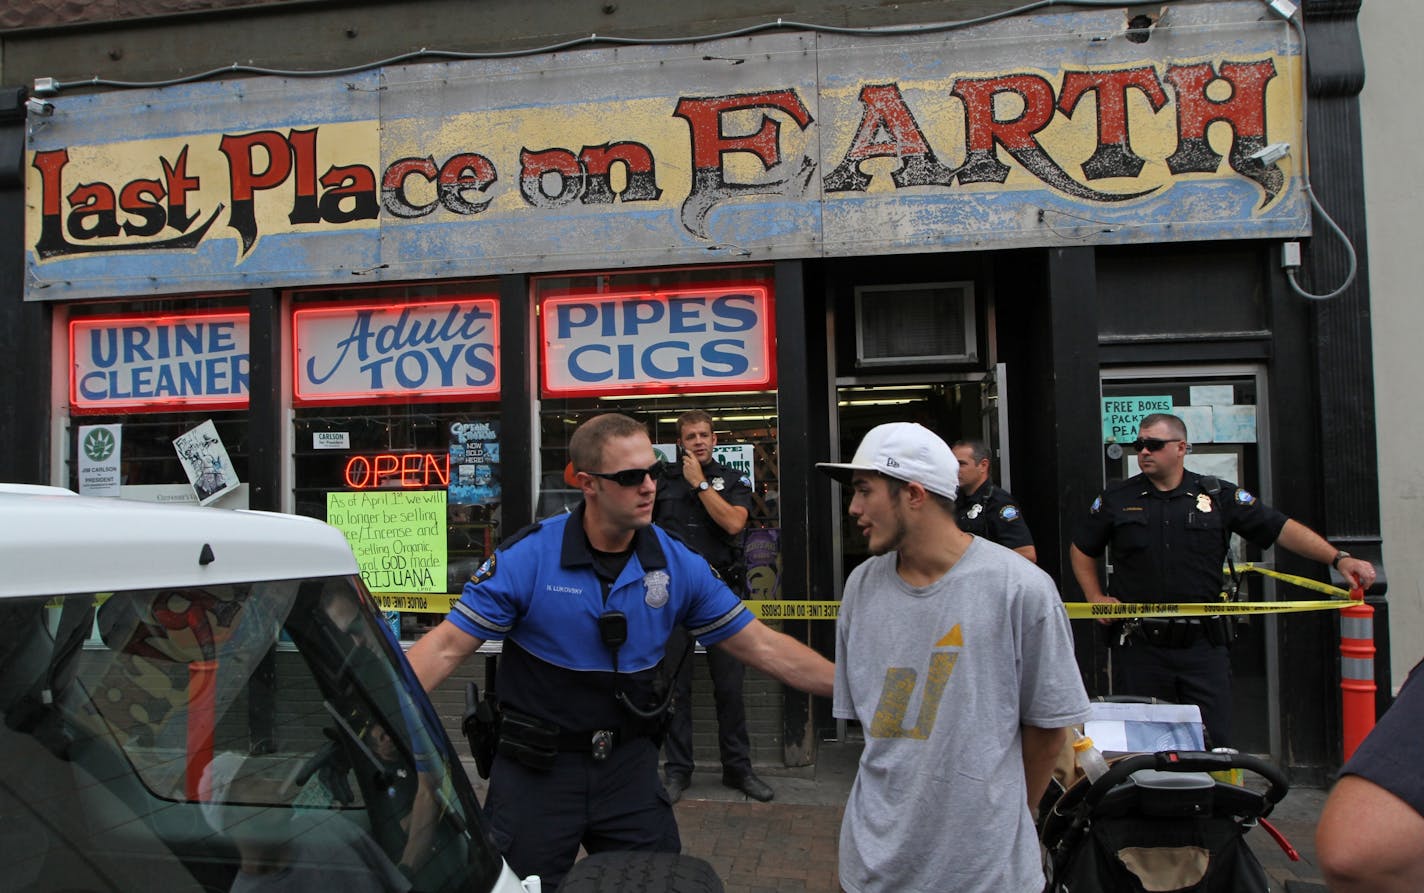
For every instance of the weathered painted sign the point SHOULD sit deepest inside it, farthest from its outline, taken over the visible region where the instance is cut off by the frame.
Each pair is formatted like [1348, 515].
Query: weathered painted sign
[443, 350]
[1036, 130]
[158, 364]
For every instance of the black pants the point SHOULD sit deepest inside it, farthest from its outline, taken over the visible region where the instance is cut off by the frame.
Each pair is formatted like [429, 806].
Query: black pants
[1197, 674]
[539, 819]
[732, 742]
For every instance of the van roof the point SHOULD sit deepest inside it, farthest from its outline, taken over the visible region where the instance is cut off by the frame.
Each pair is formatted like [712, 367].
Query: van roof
[54, 542]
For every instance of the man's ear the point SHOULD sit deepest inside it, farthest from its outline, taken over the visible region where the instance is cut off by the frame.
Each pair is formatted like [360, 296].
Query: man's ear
[915, 494]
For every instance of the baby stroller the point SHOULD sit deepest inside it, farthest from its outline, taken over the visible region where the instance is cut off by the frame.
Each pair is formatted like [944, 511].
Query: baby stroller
[1159, 822]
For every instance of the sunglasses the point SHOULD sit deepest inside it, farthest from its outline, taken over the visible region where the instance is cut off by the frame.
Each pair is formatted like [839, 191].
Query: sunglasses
[630, 477]
[1152, 444]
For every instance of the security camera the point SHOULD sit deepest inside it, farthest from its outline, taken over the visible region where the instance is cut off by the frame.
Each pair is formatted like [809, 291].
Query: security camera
[39, 107]
[1271, 154]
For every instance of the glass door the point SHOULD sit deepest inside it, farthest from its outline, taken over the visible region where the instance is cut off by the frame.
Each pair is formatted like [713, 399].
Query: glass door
[954, 407]
[1225, 413]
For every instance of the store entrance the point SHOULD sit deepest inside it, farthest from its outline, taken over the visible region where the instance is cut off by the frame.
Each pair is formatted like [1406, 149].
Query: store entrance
[953, 406]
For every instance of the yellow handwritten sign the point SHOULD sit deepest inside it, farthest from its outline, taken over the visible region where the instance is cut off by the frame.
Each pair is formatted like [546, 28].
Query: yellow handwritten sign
[398, 537]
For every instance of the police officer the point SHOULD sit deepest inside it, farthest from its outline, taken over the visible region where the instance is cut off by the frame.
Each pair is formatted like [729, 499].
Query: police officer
[707, 504]
[584, 602]
[984, 509]
[1169, 529]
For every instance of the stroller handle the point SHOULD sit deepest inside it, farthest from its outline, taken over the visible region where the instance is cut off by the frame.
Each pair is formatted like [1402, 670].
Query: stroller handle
[1187, 761]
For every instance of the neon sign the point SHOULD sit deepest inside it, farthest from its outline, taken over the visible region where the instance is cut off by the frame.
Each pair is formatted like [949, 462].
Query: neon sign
[159, 363]
[717, 338]
[386, 353]
[408, 471]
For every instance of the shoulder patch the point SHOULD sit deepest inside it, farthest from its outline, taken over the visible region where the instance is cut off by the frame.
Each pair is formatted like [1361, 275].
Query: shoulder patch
[1009, 513]
[485, 571]
[1096, 506]
[1244, 497]
[517, 536]
[744, 481]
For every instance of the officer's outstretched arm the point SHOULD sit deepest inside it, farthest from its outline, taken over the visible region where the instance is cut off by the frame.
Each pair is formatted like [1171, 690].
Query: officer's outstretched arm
[439, 652]
[781, 657]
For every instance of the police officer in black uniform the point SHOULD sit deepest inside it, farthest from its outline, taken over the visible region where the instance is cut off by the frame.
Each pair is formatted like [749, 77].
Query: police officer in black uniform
[1169, 530]
[984, 509]
[585, 602]
[706, 504]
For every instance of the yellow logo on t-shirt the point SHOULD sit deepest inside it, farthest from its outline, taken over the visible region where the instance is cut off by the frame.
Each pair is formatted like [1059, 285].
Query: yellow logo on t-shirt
[889, 720]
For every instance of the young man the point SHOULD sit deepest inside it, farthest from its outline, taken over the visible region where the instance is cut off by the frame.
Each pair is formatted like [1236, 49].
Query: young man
[707, 504]
[956, 657]
[1169, 529]
[584, 602]
[984, 509]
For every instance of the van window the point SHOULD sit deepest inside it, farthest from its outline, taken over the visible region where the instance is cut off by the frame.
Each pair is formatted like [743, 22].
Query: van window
[134, 714]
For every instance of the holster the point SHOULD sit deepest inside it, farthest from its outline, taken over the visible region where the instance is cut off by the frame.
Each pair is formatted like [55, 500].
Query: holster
[481, 727]
[527, 739]
[1219, 630]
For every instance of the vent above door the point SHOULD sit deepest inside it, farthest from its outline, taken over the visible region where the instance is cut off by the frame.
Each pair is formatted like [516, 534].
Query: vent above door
[927, 322]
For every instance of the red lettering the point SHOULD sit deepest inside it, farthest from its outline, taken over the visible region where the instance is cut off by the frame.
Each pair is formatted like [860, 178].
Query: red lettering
[886, 112]
[142, 199]
[537, 167]
[461, 173]
[709, 182]
[1113, 156]
[637, 161]
[1244, 111]
[393, 197]
[245, 180]
[94, 212]
[179, 184]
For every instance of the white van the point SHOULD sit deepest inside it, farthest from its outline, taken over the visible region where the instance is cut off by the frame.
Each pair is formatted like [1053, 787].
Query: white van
[130, 635]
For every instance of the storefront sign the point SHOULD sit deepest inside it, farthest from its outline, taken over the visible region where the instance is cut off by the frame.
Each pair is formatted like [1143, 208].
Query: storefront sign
[398, 537]
[1122, 416]
[438, 351]
[1036, 130]
[158, 364]
[714, 339]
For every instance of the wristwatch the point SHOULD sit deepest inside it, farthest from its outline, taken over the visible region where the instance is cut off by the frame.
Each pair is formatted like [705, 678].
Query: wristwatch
[704, 486]
[1335, 562]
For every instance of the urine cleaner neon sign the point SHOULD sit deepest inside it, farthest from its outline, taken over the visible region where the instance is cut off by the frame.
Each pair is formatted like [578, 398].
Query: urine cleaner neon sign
[158, 363]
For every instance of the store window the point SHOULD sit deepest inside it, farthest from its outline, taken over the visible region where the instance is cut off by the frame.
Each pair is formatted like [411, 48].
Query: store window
[157, 395]
[655, 344]
[396, 438]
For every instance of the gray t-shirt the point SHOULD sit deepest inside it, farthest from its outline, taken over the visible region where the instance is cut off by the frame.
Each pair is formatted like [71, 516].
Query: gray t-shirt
[941, 678]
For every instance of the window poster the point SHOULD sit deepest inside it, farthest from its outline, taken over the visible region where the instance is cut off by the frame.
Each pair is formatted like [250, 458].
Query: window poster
[205, 459]
[474, 463]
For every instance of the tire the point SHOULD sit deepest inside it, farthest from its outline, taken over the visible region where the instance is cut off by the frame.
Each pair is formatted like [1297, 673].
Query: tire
[632, 872]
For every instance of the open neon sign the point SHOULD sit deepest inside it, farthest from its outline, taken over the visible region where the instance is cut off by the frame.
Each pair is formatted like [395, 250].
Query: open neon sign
[408, 471]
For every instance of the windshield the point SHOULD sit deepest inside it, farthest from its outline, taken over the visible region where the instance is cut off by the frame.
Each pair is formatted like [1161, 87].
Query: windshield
[231, 737]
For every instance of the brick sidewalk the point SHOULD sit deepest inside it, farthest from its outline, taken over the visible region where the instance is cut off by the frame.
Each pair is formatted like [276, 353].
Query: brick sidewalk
[764, 847]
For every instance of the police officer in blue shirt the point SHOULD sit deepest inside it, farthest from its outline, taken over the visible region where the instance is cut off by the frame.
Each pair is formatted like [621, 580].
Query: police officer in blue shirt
[984, 509]
[1169, 529]
[585, 602]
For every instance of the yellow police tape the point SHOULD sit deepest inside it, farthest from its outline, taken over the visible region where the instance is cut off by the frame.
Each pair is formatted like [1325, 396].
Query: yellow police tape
[416, 602]
[1085, 611]
[437, 603]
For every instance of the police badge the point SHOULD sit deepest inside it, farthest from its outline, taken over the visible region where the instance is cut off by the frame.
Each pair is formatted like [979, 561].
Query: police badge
[974, 511]
[1203, 502]
[656, 584]
[718, 484]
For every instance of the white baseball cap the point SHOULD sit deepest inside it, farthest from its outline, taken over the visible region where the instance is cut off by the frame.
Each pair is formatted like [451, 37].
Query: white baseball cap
[906, 451]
